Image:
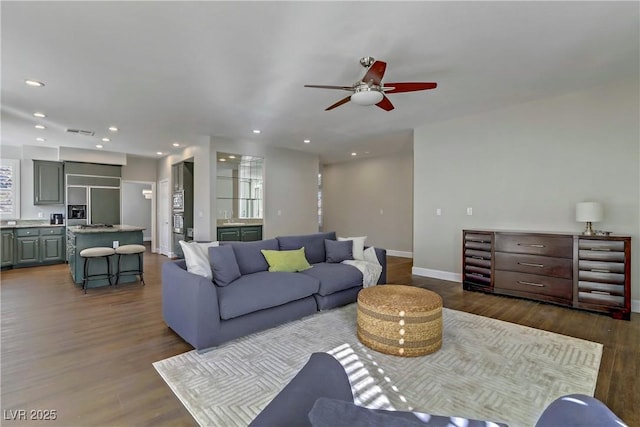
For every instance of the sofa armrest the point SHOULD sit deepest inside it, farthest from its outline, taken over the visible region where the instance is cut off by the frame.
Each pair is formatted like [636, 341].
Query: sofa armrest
[321, 376]
[189, 304]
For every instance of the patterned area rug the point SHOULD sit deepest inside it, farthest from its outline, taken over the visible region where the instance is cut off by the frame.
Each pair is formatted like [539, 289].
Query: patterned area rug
[487, 369]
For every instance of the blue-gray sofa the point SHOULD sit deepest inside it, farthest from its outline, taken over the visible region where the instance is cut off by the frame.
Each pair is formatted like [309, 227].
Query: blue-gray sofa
[245, 297]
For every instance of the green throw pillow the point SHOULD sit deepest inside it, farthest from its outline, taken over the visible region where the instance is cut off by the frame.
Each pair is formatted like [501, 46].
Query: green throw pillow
[289, 261]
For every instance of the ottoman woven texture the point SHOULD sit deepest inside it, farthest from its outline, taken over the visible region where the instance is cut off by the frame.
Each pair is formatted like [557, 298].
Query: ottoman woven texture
[400, 320]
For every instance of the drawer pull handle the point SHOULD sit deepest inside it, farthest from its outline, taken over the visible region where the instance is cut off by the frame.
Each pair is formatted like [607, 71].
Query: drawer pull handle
[601, 249]
[531, 245]
[477, 257]
[600, 270]
[530, 264]
[522, 282]
[475, 274]
[600, 292]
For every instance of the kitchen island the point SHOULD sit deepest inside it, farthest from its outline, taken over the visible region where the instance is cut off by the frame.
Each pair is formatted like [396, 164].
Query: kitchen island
[80, 237]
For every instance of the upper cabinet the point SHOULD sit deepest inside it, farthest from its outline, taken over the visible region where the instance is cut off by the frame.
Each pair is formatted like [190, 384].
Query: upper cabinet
[48, 183]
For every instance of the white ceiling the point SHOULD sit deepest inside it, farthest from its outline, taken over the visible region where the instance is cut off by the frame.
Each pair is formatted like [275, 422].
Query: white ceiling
[172, 71]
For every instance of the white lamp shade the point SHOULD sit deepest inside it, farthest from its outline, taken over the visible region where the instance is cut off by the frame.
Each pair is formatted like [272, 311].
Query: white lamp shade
[589, 212]
[367, 97]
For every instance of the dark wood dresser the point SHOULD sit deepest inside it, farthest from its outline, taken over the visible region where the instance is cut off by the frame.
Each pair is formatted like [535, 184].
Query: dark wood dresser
[573, 270]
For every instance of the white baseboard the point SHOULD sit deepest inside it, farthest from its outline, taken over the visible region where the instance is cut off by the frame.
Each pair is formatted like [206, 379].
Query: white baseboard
[437, 274]
[635, 305]
[401, 254]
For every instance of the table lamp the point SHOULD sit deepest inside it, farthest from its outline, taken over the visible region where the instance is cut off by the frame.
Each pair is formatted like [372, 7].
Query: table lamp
[589, 212]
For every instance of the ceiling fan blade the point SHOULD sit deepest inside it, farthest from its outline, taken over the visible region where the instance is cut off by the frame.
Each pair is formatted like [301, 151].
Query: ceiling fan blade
[330, 87]
[408, 87]
[385, 104]
[375, 73]
[339, 103]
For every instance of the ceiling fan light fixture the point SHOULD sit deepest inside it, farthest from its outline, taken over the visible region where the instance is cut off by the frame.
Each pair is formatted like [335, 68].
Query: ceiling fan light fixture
[367, 97]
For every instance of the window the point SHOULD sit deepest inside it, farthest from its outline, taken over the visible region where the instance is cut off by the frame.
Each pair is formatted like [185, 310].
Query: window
[9, 189]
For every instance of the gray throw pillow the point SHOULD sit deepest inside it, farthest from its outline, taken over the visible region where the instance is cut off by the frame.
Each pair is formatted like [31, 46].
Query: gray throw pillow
[224, 265]
[338, 251]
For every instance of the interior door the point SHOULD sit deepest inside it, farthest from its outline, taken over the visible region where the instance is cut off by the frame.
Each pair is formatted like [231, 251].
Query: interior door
[163, 217]
[105, 205]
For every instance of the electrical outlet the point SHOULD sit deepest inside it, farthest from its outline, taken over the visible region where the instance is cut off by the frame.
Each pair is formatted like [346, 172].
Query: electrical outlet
[469, 211]
[40, 215]
[116, 244]
[438, 211]
[381, 211]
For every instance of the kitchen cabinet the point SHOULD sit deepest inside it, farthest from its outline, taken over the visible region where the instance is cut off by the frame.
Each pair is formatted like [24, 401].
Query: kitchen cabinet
[48, 183]
[39, 245]
[243, 233]
[8, 240]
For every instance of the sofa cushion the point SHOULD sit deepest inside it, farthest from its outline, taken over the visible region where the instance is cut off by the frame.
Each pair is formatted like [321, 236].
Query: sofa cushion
[334, 277]
[289, 261]
[338, 251]
[250, 259]
[313, 245]
[328, 412]
[262, 290]
[224, 265]
[358, 245]
[197, 258]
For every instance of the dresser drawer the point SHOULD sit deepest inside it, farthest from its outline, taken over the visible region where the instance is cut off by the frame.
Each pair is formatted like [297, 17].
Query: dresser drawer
[25, 232]
[535, 264]
[534, 284]
[595, 276]
[556, 246]
[48, 231]
[601, 245]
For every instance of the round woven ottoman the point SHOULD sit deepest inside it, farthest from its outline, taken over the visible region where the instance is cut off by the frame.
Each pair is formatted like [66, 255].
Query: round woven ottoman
[400, 320]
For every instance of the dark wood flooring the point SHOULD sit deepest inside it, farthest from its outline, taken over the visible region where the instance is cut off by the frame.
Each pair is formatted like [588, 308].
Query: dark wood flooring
[88, 357]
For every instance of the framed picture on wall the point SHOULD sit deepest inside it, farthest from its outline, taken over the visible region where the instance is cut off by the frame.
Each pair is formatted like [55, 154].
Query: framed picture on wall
[9, 189]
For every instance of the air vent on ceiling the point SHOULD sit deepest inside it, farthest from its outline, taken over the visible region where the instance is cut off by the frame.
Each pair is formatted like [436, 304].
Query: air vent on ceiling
[81, 132]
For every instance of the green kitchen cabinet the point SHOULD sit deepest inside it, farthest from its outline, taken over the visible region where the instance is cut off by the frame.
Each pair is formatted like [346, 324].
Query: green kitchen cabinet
[251, 233]
[243, 233]
[48, 183]
[35, 246]
[7, 248]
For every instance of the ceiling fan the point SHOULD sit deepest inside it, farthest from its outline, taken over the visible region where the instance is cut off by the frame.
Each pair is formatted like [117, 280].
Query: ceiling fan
[370, 89]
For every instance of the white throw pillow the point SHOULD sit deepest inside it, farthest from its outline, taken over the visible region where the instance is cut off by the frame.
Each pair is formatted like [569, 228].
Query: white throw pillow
[370, 255]
[196, 255]
[358, 246]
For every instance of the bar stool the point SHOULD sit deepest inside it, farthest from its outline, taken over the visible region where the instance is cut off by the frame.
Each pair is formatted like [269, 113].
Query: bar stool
[94, 253]
[130, 250]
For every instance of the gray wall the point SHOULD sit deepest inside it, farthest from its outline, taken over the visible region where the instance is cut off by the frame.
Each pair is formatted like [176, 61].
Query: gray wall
[136, 210]
[140, 169]
[525, 167]
[355, 193]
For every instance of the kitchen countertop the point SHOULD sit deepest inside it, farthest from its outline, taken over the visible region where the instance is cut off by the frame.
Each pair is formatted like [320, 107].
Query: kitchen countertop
[115, 229]
[29, 223]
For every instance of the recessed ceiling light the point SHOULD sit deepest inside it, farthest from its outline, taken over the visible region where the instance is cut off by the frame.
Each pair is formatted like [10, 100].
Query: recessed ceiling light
[307, 141]
[159, 153]
[40, 139]
[366, 152]
[40, 127]
[41, 115]
[223, 160]
[105, 140]
[175, 144]
[99, 145]
[354, 154]
[256, 131]
[231, 156]
[34, 83]
[113, 129]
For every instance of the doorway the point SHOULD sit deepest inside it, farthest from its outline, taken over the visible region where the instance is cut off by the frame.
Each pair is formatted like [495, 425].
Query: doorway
[138, 208]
